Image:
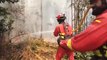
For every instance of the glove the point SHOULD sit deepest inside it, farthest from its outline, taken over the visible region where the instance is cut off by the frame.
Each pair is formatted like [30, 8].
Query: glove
[66, 44]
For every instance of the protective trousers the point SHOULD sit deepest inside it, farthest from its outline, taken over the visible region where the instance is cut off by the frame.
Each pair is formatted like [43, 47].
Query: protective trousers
[61, 52]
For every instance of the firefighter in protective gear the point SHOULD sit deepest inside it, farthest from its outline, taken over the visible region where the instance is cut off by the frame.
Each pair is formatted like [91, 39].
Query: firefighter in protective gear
[94, 37]
[63, 31]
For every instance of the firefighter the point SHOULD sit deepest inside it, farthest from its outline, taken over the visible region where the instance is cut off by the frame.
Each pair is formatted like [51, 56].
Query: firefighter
[64, 32]
[94, 37]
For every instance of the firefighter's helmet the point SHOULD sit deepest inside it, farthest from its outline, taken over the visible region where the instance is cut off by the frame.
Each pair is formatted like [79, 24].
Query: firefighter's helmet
[61, 17]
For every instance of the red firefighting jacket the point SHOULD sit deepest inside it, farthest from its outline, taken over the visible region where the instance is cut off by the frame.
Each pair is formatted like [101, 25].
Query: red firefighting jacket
[60, 29]
[93, 37]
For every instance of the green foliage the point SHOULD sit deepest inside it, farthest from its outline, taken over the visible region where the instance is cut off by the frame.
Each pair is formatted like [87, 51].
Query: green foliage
[5, 21]
[65, 57]
[5, 18]
[9, 1]
[83, 56]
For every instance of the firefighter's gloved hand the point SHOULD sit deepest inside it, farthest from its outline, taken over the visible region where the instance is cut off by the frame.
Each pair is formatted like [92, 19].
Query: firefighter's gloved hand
[66, 44]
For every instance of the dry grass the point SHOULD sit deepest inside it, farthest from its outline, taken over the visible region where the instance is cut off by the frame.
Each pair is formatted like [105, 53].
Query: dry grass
[32, 49]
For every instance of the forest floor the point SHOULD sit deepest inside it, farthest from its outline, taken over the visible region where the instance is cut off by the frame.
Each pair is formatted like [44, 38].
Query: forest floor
[34, 49]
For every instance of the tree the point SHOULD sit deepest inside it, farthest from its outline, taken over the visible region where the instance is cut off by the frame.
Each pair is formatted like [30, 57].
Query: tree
[5, 24]
[9, 1]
